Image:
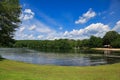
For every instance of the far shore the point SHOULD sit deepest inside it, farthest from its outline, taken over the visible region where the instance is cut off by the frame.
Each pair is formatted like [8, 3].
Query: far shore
[111, 49]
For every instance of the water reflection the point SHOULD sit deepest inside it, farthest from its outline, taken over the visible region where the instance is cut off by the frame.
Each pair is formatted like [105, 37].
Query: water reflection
[64, 59]
[107, 52]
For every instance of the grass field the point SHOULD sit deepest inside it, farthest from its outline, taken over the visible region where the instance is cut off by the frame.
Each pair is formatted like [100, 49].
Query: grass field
[12, 70]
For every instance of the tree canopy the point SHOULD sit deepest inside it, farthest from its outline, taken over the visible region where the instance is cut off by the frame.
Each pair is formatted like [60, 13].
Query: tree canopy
[110, 37]
[9, 20]
[95, 41]
[67, 44]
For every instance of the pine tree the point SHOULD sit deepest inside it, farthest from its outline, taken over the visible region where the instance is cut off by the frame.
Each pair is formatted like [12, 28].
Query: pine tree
[10, 11]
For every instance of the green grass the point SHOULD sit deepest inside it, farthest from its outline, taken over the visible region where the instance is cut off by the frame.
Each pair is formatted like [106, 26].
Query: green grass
[12, 70]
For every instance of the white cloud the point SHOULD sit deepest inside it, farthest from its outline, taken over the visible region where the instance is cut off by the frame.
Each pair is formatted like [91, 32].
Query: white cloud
[22, 29]
[28, 11]
[30, 37]
[117, 27]
[27, 14]
[97, 29]
[40, 37]
[44, 32]
[36, 29]
[20, 35]
[32, 27]
[23, 36]
[86, 16]
[38, 26]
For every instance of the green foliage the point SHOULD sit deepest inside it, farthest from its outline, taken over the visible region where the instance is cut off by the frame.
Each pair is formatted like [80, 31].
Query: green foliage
[95, 41]
[85, 43]
[116, 43]
[109, 37]
[9, 20]
[66, 44]
[61, 44]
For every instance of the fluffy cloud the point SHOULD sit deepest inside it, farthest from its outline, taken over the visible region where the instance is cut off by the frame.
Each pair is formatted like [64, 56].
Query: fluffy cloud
[117, 27]
[86, 16]
[97, 29]
[30, 37]
[27, 14]
[22, 29]
[40, 37]
[32, 27]
[42, 28]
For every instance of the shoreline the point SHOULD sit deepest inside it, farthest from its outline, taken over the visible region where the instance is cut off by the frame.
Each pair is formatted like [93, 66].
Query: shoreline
[109, 49]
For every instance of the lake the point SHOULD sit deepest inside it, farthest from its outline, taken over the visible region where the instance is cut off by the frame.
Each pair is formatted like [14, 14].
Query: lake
[76, 58]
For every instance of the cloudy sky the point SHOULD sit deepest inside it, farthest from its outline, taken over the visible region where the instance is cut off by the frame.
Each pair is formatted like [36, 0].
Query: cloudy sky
[72, 19]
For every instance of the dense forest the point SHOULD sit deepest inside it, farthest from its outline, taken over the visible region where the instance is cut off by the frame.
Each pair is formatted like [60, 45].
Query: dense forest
[111, 38]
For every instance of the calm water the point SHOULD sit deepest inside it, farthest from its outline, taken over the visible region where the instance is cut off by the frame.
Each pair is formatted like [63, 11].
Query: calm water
[83, 58]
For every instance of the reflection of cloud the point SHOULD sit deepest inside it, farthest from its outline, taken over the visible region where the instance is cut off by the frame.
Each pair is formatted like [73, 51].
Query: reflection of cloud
[86, 16]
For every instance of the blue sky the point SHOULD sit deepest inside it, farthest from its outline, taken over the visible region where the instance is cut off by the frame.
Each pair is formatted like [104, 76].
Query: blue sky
[72, 19]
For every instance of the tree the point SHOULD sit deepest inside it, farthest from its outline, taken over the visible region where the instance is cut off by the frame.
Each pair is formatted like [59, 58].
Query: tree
[116, 43]
[95, 41]
[85, 43]
[9, 20]
[110, 37]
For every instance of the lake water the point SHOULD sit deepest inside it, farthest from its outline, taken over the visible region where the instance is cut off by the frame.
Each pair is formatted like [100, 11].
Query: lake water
[81, 58]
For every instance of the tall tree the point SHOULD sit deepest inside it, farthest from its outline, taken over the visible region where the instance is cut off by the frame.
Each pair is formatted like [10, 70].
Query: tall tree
[110, 37]
[9, 20]
[95, 41]
[116, 43]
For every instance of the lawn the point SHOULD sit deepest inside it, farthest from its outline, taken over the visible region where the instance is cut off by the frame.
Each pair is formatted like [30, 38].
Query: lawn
[12, 70]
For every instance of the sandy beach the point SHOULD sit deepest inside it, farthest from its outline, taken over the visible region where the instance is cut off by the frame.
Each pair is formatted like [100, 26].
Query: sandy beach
[112, 49]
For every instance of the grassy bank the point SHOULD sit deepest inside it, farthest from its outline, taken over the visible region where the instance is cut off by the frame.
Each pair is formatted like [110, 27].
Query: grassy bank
[11, 70]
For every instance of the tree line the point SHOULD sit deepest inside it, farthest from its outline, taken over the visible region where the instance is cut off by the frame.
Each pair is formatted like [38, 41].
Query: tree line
[111, 38]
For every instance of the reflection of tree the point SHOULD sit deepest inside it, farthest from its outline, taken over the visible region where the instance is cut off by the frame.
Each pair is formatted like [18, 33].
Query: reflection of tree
[111, 60]
[1, 58]
[107, 52]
